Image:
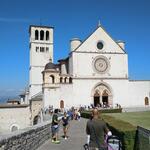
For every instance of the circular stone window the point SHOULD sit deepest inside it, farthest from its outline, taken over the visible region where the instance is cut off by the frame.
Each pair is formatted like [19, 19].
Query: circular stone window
[101, 64]
[100, 45]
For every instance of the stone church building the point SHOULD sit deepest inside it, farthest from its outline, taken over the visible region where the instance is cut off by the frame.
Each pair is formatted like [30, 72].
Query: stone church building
[95, 72]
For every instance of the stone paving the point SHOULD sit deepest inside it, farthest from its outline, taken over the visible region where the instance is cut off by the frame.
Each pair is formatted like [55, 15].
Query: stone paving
[76, 140]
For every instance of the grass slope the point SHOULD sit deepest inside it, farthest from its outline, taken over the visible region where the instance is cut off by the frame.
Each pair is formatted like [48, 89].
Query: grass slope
[136, 118]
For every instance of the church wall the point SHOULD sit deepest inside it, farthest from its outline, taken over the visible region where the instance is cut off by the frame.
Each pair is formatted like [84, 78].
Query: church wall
[34, 89]
[83, 65]
[63, 68]
[38, 58]
[51, 97]
[66, 94]
[83, 91]
[79, 93]
[138, 90]
[36, 75]
[119, 91]
[124, 92]
[70, 65]
[54, 96]
[36, 80]
[19, 117]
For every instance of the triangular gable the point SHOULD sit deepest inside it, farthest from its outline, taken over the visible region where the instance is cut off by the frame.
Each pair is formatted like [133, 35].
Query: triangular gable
[90, 43]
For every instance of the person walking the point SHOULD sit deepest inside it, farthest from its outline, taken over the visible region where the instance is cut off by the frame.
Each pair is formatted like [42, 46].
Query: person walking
[55, 127]
[96, 129]
[78, 115]
[65, 121]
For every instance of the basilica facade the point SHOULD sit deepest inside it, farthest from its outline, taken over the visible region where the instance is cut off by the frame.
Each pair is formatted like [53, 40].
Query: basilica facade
[94, 73]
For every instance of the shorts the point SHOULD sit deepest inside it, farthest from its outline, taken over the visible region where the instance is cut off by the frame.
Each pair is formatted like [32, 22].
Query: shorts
[55, 129]
[65, 126]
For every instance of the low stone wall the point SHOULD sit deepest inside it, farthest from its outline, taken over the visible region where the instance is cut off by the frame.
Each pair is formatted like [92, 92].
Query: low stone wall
[28, 139]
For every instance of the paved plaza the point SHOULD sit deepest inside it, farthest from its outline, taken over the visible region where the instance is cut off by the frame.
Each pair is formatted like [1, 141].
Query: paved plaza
[76, 140]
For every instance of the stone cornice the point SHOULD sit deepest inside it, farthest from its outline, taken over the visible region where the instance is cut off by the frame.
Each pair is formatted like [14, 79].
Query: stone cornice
[98, 78]
[99, 52]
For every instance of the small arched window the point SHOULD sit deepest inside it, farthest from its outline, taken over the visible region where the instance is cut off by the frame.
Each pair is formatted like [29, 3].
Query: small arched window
[61, 104]
[36, 120]
[146, 101]
[14, 128]
[36, 34]
[70, 80]
[61, 79]
[52, 79]
[47, 35]
[65, 79]
[41, 35]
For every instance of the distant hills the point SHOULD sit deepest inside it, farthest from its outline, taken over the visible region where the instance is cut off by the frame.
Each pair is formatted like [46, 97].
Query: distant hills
[3, 99]
[11, 94]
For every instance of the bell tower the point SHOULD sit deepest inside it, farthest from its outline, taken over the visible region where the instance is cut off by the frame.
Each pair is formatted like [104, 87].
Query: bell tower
[41, 50]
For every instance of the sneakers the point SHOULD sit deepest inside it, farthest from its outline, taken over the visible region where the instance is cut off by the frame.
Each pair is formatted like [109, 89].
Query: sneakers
[53, 141]
[56, 142]
[66, 138]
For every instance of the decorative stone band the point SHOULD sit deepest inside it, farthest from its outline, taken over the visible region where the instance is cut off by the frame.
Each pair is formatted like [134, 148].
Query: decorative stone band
[28, 139]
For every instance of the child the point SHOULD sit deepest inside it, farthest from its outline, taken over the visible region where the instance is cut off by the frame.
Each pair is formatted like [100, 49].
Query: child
[65, 121]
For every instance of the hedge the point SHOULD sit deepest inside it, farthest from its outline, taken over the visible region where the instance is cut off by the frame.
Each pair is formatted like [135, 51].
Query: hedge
[124, 130]
[117, 110]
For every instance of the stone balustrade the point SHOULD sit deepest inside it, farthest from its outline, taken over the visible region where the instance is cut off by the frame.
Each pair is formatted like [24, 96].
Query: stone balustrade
[28, 139]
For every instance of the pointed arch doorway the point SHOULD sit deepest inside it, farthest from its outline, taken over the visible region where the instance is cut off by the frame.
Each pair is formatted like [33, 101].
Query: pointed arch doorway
[105, 98]
[102, 95]
[96, 98]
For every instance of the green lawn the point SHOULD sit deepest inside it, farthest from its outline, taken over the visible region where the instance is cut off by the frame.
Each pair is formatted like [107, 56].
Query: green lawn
[136, 118]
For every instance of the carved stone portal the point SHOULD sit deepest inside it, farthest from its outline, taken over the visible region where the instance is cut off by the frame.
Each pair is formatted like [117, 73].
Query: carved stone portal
[102, 95]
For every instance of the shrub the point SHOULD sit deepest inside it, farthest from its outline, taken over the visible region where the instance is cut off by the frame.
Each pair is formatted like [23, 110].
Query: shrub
[117, 110]
[86, 114]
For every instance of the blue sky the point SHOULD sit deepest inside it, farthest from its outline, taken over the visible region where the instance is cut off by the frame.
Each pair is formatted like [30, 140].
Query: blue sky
[127, 20]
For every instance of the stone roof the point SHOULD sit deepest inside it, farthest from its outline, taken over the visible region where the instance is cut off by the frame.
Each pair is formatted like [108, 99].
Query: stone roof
[50, 65]
[37, 97]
